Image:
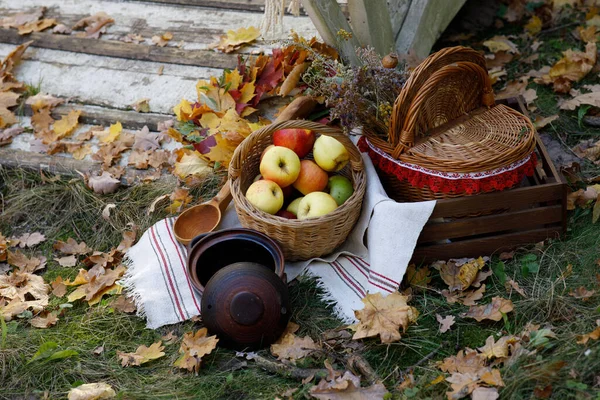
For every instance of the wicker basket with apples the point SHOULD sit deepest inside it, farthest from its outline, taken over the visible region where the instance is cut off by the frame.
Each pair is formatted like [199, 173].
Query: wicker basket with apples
[301, 183]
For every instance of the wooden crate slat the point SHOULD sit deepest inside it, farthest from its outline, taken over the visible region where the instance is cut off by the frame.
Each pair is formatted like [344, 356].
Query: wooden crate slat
[523, 219]
[483, 246]
[519, 197]
[110, 48]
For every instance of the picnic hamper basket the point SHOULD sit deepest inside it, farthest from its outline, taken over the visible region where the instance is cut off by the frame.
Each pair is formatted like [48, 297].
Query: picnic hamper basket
[447, 137]
[299, 239]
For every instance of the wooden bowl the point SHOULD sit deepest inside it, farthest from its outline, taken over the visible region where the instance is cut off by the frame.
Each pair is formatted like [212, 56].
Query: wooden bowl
[246, 305]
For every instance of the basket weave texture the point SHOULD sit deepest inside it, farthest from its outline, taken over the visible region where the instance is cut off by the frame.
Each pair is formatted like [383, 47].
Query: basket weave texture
[445, 119]
[299, 239]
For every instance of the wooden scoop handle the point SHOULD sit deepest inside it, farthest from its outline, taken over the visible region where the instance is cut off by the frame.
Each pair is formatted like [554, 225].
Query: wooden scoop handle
[223, 198]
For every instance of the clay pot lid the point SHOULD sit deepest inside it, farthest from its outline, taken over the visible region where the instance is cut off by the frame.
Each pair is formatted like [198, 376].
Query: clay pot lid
[246, 305]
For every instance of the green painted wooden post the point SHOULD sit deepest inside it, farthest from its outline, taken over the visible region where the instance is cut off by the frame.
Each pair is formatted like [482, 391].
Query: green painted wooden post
[370, 20]
[329, 19]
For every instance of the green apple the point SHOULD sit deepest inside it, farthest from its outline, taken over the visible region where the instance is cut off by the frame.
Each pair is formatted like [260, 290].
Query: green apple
[340, 188]
[330, 154]
[316, 204]
[293, 206]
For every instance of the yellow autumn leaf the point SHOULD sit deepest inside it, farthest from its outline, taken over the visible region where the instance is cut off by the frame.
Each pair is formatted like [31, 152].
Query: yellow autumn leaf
[247, 92]
[67, 124]
[215, 98]
[492, 311]
[91, 391]
[231, 122]
[233, 78]
[80, 152]
[210, 120]
[217, 148]
[113, 133]
[384, 316]
[575, 64]
[501, 43]
[142, 355]
[183, 110]
[191, 164]
[234, 39]
[534, 26]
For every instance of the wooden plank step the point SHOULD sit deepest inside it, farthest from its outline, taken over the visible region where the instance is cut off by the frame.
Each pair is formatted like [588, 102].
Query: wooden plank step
[131, 51]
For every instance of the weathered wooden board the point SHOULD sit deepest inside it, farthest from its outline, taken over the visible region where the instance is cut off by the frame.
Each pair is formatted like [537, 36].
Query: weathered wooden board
[108, 81]
[197, 27]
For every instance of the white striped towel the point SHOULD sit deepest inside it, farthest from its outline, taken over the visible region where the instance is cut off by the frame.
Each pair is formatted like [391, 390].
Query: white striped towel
[371, 260]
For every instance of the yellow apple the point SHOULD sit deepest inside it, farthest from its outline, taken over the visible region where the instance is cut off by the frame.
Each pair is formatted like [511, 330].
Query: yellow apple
[265, 195]
[280, 165]
[293, 206]
[316, 204]
[330, 154]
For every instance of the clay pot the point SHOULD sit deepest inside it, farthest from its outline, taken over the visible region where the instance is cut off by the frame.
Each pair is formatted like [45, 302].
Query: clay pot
[240, 273]
[213, 251]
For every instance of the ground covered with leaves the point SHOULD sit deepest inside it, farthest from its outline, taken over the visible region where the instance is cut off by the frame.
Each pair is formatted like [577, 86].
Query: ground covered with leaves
[524, 324]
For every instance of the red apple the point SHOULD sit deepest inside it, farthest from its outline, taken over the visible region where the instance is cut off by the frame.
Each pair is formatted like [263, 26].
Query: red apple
[280, 165]
[287, 191]
[299, 140]
[285, 214]
[311, 178]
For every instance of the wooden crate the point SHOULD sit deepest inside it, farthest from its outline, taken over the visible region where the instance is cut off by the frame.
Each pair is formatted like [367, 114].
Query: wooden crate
[535, 211]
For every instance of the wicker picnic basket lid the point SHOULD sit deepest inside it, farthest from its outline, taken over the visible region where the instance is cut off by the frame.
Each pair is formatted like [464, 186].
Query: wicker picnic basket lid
[299, 239]
[445, 118]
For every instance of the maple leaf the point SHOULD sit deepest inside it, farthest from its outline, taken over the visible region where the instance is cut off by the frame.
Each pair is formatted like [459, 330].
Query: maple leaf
[492, 311]
[193, 347]
[112, 134]
[162, 40]
[384, 316]
[41, 120]
[159, 159]
[71, 247]
[499, 349]
[191, 164]
[465, 361]
[67, 124]
[418, 279]
[139, 159]
[235, 39]
[215, 98]
[142, 355]
[292, 347]
[459, 277]
[104, 183]
[445, 322]
[92, 391]
[571, 68]
[44, 321]
[347, 387]
[501, 43]
[124, 304]
[94, 25]
[42, 100]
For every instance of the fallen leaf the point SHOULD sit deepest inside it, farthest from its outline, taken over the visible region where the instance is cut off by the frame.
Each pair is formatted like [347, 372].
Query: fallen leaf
[170, 338]
[418, 279]
[79, 150]
[67, 124]
[142, 105]
[194, 346]
[104, 183]
[472, 296]
[534, 26]
[499, 349]
[163, 39]
[492, 311]
[292, 347]
[543, 393]
[191, 164]
[45, 321]
[509, 283]
[459, 277]
[23, 291]
[580, 293]
[484, 393]
[445, 322]
[106, 211]
[94, 25]
[92, 391]
[133, 38]
[139, 159]
[30, 239]
[8, 134]
[592, 99]
[347, 387]
[540, 122]
[41, 120]
[22, 18]
[501, 43]
[71, 247]
[146, 140]
[24, 263]
[179, 199]
[593, 335]
[113, 133]
[462, 384]
[12, 59]
[159, 159]
[384, 316]
[142, 355]
[465, 361]
[235, 39]
[36, 26]
[59, 289]
[62, 29]
[571, 68]
[124, 304]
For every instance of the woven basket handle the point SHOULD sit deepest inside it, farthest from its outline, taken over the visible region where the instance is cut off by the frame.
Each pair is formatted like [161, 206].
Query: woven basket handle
[469, 86]
[244, 148]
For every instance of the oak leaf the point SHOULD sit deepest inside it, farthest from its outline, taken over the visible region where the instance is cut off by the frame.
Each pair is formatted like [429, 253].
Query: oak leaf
[142, 355]
[30, 239]
[384, 316]
[44, 321]
[24, 263]
[8, 134]
[492, 311]
[492, 377]
[92, 391]
[159, 159]
[235, 39]
[104, 183]
[347, 387]
[592, 99]
[146, 140]
[170, 338]
[79, 150]
[571, 68]
[139, 159]
[71, 247]
[124, 304]
[94, 25]
[534, 26]
[292, 347]
[67, 124]
[445, 322]
[3, 247]
[22, 18]
[20, 291]
[580, 293]
[193, 347]
[127, 241]
[462, 384]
